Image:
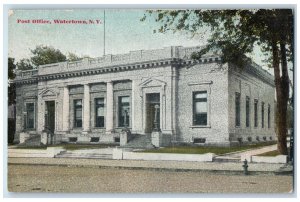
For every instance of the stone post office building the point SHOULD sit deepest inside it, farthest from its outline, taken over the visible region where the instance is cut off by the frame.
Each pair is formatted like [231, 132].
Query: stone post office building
[199, 102]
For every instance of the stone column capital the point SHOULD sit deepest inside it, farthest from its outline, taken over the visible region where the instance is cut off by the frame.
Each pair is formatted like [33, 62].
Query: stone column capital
[65, 85]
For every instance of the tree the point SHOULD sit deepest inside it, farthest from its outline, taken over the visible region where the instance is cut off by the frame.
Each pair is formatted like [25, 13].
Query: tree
[46, 55]
[24, 64]
[235, 33]
[11, 99]
[11, 86]
[42, 55]
[73, 57]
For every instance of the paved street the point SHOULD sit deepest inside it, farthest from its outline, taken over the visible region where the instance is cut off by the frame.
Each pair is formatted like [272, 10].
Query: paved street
[36, 178]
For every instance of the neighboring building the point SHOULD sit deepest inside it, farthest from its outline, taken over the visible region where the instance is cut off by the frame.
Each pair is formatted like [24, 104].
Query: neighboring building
[202, 101]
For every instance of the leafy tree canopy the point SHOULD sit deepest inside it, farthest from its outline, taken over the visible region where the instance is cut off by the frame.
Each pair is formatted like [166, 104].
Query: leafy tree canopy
[73, 57]
[234, 32]
[46, 55]
[11, 68]
[11, 76]
[24, 64]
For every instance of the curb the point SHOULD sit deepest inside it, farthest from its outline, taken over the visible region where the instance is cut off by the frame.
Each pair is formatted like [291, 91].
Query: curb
[233, 172]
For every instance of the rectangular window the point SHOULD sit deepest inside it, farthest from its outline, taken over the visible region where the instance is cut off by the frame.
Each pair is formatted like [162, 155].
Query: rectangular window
[99, 112]
[29, 116]
[269, 116]
[200, 108]
[247, 111]
[262, 115]
[237, 109]
[255, 113]
[124, 111]
[77, 113]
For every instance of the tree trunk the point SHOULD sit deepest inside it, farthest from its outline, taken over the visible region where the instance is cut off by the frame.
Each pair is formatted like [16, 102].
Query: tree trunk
[282, 142]
[281, 108]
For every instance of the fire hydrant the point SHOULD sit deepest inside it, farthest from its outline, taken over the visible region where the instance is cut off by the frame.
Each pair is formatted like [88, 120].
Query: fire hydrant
[245, 166]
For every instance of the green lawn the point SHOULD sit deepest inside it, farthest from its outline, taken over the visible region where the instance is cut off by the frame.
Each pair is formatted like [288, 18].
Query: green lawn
[203, 150]
[30, 147]
[85, 146]
[270, 153]
[70, 146]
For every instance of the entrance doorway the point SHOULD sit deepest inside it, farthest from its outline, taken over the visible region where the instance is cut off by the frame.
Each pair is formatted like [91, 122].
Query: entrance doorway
[152, 105]
[50, 116]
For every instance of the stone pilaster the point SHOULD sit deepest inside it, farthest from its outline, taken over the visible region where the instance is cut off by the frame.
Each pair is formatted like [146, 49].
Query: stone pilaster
[66, 113]
[109, 107]
[132, 113]
[86, 108]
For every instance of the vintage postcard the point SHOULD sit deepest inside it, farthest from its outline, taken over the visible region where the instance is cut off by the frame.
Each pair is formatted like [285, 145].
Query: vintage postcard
[151, 101]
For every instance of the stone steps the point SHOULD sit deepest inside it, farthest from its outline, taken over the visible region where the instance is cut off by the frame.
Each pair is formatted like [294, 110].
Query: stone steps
[140, 141]
[84, 155]
[32, 141]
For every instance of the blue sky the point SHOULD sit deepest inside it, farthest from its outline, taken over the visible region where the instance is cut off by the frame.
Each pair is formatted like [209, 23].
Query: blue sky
[124, 32]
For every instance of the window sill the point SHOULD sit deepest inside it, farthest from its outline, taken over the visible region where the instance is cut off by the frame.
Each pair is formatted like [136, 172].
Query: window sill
[122, 127]
[77, 129]
[29, 128]
[207, 126]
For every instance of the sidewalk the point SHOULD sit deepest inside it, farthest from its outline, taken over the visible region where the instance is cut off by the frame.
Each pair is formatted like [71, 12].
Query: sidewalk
[239, 155]
[216, 167]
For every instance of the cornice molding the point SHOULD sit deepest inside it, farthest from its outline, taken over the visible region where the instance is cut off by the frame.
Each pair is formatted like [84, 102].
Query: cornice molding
[176, 62]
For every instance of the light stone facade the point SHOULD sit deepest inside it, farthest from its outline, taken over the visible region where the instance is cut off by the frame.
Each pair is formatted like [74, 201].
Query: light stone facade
[139, 76]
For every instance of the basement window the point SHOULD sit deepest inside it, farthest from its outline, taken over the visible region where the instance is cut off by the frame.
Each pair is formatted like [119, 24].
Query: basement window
[199, 140]
[95, 139]
[240, 140]
[72, 139]
[117, 139]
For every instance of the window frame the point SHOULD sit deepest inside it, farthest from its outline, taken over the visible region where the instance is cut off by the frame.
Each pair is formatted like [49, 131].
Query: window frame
[262, 115]
[120, 105]
[75, 108]
[269, 116]
[196, 100]
[27, 119]
[247, 111]
[255, 113]
[96, 106]
[237, 100]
